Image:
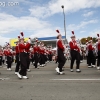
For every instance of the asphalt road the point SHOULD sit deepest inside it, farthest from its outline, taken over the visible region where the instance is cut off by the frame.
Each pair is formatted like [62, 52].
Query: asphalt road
[46, 84]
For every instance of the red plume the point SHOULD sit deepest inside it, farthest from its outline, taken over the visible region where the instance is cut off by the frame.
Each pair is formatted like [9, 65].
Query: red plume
[73, 32]
[36, 40]
[18, 37]
[57, 31]
[91, 38]
[98, 35]
[22, 34]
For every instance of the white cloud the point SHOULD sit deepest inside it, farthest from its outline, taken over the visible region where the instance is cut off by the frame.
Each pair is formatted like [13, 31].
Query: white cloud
[38, 11]
[47, 32]
[82, 31]
[94, 33]
[88, 14]
[54, 7]
[10, 23]
[3, 40]
[81, 25]
[78, 27]
[38, 28]
[41, 28]
[44, 33]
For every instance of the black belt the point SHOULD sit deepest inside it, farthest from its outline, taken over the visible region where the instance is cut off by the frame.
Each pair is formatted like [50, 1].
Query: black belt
[23, 52]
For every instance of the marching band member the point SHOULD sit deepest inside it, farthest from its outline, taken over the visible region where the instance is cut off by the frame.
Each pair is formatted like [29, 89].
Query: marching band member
[9, 56]
[50, 53]
[23, 57]
[68, 53]
[17, 56]
[91, 58]
[45, 55]
[31, 55]
[1, 57]
[82, 54]
[27, 50]
[75, 53]
[5, 53]
[41, 51]
[36, 57]
[60, 53]
[81, 51]
[98, 52]
[87, 51]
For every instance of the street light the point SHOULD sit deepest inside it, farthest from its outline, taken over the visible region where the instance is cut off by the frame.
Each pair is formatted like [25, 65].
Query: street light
[64, 23]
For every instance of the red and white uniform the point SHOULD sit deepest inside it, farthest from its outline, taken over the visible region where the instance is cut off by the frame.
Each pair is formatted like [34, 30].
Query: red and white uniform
[27, 49]
[60, 45]
[36, 49]
[74, 46]
[17, 49]
[90, 47]
[98, 46]
[24, 47]
[9, 52]
[5, 52]
[1, 53]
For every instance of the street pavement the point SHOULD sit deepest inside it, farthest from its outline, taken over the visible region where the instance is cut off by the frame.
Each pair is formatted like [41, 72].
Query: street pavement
[45, 84]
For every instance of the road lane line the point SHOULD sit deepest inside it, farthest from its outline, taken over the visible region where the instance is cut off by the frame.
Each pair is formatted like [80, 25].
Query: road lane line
[75, 79]
[4, 78]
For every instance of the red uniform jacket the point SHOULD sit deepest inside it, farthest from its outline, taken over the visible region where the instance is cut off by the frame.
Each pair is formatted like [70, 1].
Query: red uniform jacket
[73, 46]
[98, 46]
[27, 47]
[60, 45]
[1, 53]
[17, 49]
[9, 53]
[5, 52]
[36, 49]
[23, 47]
[90, 47]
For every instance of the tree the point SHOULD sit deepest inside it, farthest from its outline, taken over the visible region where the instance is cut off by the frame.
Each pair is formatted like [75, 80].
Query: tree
[83, 40]
[94, 40]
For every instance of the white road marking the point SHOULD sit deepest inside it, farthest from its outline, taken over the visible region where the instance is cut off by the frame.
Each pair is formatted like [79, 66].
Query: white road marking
[75, 79]
[4, 78]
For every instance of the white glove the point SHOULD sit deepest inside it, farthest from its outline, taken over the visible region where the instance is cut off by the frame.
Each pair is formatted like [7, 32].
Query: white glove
[29, 41]
[75, 49]
[11, 51]
[25, 43]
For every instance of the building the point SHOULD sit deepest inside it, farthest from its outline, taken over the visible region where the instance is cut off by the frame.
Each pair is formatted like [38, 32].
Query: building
[50, 41]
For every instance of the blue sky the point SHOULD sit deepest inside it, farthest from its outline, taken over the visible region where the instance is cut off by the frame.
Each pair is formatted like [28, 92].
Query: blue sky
[40, 18]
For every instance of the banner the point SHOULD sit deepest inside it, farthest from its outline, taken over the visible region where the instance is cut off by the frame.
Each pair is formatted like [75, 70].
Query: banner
[13, 41]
